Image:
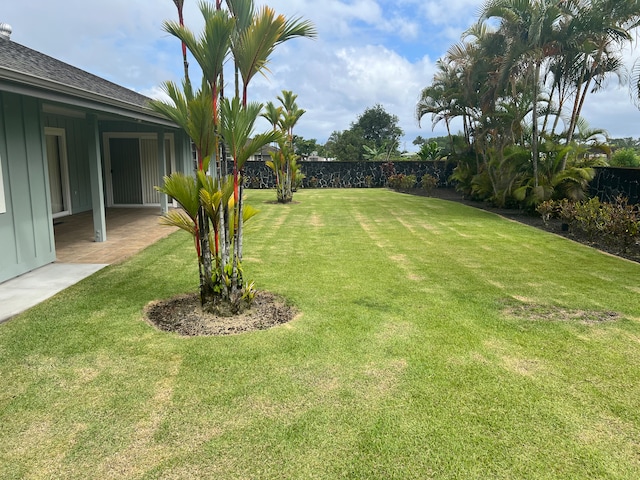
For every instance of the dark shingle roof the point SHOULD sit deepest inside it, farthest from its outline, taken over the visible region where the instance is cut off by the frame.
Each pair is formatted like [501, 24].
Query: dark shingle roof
[25, 66]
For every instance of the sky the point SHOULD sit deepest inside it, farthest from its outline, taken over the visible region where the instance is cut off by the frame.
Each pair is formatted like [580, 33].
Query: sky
[367, 52]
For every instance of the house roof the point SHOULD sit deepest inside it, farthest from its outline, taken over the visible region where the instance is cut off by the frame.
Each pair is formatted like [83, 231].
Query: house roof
[26, 71]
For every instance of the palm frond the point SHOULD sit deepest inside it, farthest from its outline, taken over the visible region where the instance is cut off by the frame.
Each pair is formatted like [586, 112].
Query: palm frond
[184, 190]
[297, 27]
[254, 45]
[179, 218]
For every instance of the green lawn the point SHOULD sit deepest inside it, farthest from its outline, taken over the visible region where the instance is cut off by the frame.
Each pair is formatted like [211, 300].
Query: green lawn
[434, 341]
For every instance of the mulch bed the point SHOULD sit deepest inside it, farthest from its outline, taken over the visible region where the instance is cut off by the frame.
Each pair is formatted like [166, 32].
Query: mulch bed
[184, 316]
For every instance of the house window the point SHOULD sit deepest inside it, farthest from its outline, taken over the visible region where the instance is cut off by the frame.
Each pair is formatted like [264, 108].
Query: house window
[3, 205]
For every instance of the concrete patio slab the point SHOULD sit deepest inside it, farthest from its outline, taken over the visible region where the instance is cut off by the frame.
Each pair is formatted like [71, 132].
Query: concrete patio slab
[23, 292]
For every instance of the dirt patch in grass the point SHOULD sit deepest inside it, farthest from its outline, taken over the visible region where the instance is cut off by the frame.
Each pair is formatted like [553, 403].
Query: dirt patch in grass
[536, 312]
[184, 316]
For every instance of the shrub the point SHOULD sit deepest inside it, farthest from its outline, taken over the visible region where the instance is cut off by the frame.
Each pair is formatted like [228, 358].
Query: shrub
[402, 182]
[547, 210]
[614, 223]
[625, 157]
[590, 217]
[565, 210]
[623, 222]
[388, 171]
[428, 183]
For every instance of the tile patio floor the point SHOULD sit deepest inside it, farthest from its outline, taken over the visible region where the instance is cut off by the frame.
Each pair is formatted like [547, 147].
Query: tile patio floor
[129, 230]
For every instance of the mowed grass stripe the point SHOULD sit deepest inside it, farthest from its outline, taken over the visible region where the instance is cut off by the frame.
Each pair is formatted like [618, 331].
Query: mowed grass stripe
[406, 361]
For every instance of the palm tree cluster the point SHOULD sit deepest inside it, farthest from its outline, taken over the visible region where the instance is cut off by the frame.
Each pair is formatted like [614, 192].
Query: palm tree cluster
[211, 201]
[284, 161]
[518, 80]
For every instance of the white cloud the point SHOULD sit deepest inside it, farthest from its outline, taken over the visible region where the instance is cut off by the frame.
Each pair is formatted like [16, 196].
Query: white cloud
[367, 52]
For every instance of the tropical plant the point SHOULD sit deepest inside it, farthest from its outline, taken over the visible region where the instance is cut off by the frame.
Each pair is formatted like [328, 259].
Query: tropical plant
[430, 151]
[212, 205]
[518, 81]
[283, 161]
[401, 182]
[572, 182]
[372, 153]
[428, 183]
[615, 223]
[625, 157]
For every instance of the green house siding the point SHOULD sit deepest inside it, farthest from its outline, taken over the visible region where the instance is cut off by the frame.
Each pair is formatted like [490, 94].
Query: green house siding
[27, 238]
[26, 228]
[184, 157]
[78, 165]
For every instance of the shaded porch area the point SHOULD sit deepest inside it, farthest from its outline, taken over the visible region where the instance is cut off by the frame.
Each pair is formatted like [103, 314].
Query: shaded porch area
[129, 230]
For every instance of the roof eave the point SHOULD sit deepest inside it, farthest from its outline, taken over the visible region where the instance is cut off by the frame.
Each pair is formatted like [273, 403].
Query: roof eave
[17, 82]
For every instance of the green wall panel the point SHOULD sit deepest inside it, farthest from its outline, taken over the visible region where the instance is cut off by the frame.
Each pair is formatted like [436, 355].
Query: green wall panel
[77, 148]
[26, 229]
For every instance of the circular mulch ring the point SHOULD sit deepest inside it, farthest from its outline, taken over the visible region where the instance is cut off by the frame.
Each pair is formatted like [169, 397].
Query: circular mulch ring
[184, 316]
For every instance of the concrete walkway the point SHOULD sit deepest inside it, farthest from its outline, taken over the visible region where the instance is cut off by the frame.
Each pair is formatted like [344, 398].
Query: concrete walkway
[129, 230]
[23, 292]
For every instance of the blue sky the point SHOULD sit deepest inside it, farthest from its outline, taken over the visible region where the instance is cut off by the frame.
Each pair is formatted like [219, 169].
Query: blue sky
[368, 52]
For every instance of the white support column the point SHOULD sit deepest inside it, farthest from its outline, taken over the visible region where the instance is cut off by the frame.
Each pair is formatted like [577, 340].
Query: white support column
[95, 173]
[162, 169]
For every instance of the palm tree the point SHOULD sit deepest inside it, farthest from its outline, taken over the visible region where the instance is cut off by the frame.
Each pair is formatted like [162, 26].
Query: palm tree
[291, 113]
[438, 99]
[635, 82]
[272, 114]
[254, 41]
[192, 112]
[529, 28]
[210, 51]
[600, 28]
[283, 162]
[218, 199]
[237, 131]
[180, 6]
